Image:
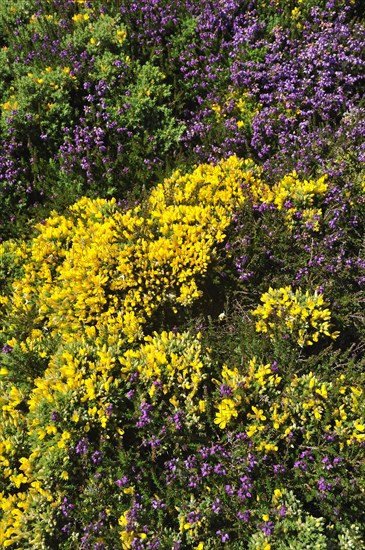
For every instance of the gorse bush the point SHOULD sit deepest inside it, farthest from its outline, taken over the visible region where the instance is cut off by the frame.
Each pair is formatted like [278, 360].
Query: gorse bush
[115, 393]
[297, 314]
[182, 261]
[102, 270]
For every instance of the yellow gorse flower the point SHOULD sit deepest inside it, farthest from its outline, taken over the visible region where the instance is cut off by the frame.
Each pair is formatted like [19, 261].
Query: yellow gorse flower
[226, 411]
[175, 361]
[100, 269]
[302, 315]
[302, 195]
[270, 408]
[93, 278]
[90, 280]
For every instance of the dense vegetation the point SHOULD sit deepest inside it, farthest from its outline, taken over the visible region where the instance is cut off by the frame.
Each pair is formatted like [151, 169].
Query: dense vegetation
[182, 271]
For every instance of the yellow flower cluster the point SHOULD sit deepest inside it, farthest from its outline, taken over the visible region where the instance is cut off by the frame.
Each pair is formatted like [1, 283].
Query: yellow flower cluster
[127, 536]
[269, 409]
[243, 386]
[20, 504]
[295, 195]
[300, 192]
[74, 376]
[301, 315]
[80, 17]
[172, 361]
[87, 283]
[15, 507]
[309, 401]
[226, 411]
[121, 36]
[237, 103]
[102, 271]
[9, 105]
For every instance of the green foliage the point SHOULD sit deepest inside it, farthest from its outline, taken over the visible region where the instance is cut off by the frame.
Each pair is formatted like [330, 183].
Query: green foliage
[298, 530]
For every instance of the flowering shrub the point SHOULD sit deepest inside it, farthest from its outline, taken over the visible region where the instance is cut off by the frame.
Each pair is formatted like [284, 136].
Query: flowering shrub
[87, 98]
[103, 271]
[302, 316]
[182, 330]
[97, 394]
[296, 197]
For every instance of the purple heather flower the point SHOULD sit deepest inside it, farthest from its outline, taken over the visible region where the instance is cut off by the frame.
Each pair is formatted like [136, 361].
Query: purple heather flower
[144, 419]
[306, 454]
[193, 517]
[327, 464]
[158, 504]
[97, 457]
[66, 528]
[216, 506]
[219, 469]
[7, 349]
[323, 486]
[177, 419]
[278, 469]
[205, 469]
[267, 528]
[190, 462]
[244, 491]
[154, 442]
[301, 464]
[82, 446]
[274, 366]
[66, 507]
[194, 481]
[154, 544]
[55, 416]
[225, 390]
[223, 536]
[282, 511]
[244, 516]
[122, 482]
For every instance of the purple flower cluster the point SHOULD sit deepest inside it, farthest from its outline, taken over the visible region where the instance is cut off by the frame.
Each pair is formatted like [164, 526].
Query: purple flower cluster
[308, 88]
[305, 458]
[301, 90]
[144, 418]
[323, 486]
[6, 349]
[291, 99]
[82, 446]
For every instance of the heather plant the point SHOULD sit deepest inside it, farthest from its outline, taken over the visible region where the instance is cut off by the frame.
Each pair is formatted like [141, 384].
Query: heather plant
[114, 137]
[89, 100]
[302, 96]
[295, 13]
[71, 69]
